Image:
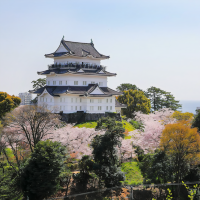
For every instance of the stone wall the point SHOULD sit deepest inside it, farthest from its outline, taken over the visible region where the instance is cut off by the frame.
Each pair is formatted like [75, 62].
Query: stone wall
[80, 117]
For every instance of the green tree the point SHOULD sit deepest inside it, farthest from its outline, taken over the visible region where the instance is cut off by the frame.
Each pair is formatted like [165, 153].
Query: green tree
[41, 82]
[196, 120]
[135, 101]
[126, 86]
[105, 152]
[161, 99]
[8, 103]
[40, 174]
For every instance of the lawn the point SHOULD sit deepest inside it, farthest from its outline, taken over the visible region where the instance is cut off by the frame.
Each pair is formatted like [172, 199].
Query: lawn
[132, 173]
[126, 125]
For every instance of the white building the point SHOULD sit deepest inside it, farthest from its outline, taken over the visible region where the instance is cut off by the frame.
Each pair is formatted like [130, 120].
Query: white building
[25, 98]
[77, 81]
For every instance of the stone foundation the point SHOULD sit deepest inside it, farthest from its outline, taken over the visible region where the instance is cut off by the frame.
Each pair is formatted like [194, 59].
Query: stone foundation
[80, 117]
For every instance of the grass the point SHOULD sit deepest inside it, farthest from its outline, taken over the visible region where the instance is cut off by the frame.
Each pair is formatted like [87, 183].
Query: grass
[93, 124]
[132, 173]
[87, 125]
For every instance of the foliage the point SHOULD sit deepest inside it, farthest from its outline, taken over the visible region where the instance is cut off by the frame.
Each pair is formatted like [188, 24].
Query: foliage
[132, 173]
[135, 101]
[86, 165]
[8, 184]
[104, 147]
[127, 126]
[192, 192]
[40, 174]
[183, 116]
[126, 86]
[137, 125]
[169, 195]
[182, 145]
[41, 82]
[161, 99]
[8, 103]
[196, 121]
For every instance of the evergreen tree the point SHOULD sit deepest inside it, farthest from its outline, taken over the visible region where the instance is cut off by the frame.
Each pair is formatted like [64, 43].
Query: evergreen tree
[126, 86]
[105, 152]
[40, 175]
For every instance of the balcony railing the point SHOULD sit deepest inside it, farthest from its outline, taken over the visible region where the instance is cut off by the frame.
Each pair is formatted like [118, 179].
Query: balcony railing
[76, 66]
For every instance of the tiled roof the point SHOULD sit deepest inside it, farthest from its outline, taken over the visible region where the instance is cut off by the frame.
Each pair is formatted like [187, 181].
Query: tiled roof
[75, 71]
[78, 49]
[117, 104]
[81, 90]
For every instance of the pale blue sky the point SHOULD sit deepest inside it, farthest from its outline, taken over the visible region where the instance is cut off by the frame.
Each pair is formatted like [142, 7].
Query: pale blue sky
[150, 42]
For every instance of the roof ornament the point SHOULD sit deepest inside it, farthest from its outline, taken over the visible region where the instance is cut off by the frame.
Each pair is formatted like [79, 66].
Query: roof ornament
[63, 37]
[92, 43]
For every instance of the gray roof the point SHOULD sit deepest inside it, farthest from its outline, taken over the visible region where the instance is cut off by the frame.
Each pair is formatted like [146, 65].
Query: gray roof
[80, 90]
[117, 104]
[75, 71]
[78, 49]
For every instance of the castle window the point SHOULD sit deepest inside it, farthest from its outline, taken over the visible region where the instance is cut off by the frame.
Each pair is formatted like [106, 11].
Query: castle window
[91, 100]
[75, 107]
[80, 100]
[91, 107]
[66, 82]
[84, 82]
[99, 100]
[46, 99]
[106, 107]
[100, 83]
[71, 100]
[54, 82]
[60, 99]
[80, 108]
[48, 82]
[110, 100]
[60, 82]
[51, 100]
[75, 82]
[99, 107]
[110, 107]
[92, 82]
[71, 107]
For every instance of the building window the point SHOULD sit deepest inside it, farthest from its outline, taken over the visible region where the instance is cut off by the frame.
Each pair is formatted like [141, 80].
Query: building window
[76, 100]
[84, 82]
[75, 82]
[48, 82]
[106, 100]
[92, 82]
[46, 99]
[99, 107]
[51, 100]
[75, 107]
[66, 82]
[71, 107]
[80, 108]
[91, 107]
[99, 100]
[71, 100]
[91, 100]
[60, 107]
[60, 99]
[106, 107]
[63, 107]
[80, 100]
[110, 100]
[54, 82]
[60, 82]
[110, 107]
[100, 83]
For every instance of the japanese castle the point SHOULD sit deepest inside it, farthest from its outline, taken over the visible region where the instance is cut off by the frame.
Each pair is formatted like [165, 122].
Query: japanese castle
[77, 81]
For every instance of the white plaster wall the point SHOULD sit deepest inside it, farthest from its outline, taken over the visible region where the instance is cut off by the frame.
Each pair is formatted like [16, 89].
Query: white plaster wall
[80, 78]
[74, 60]
[73, 103]
[61, 48]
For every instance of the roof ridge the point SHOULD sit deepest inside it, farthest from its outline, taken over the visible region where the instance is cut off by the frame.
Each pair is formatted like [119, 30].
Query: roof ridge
[77, 42]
